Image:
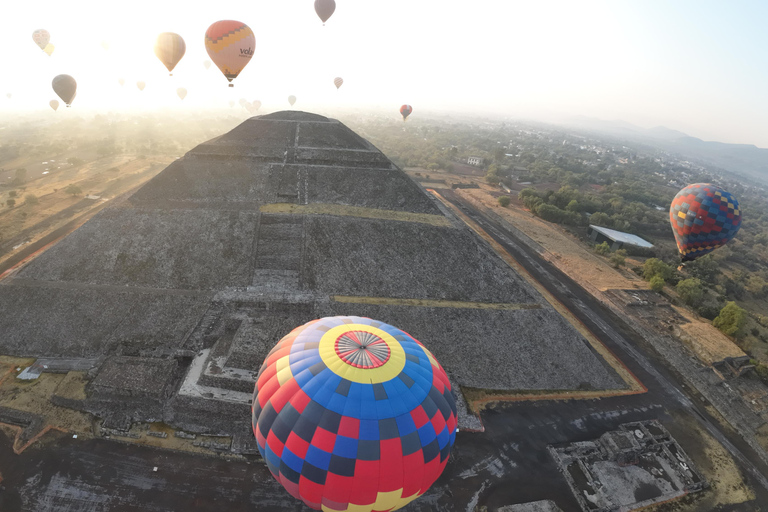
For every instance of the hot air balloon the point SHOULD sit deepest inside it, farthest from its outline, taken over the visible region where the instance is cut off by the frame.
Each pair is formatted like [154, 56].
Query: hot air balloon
[41, 37]
[141, 85]
[353, 414]
[324, 9]
[291, 99]
[230, 45]
[231, 103]
[703, 217]
[65, 87]
[242, 102]
[405, 111]
[105, 45]
[170, 48]
[54, 105]
[256, 104]
[338, 81]
[250, 108]
[181, 92]
[49, 49]
[8, 95]
[121, 81]
[207, 64]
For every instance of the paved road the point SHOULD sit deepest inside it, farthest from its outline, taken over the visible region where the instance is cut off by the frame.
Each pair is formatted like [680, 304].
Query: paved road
[507, 464]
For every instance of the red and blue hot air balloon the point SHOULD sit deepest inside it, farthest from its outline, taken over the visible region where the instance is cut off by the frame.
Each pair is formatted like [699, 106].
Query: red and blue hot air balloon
[703, 217]
[352, 413]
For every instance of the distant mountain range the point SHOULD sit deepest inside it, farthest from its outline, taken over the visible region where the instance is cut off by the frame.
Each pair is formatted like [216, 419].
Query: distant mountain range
[743, 159]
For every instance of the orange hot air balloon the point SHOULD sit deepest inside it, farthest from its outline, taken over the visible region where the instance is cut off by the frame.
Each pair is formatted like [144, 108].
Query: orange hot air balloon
[256, 104]
[324, 9]
[405, 111]
[65, 87]
[141, 85]
[41, 37]
[338, 81]
[54, 105]
[291, 99]
[181, 92]
[170, 48]
[230, 45]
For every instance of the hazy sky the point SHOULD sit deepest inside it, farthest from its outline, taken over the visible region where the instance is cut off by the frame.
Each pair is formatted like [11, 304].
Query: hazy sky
[697, 66]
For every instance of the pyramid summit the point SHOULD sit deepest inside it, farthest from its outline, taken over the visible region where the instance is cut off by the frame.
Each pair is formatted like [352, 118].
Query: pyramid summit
[189, 282]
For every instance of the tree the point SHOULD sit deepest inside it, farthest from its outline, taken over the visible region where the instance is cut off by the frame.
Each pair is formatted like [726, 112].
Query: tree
[657, 283]
[30, 199]
[504, 201]
[619, 258]
[73, 190]
[573, 206]
[603, 249]
[11, 203]
[655, 267]
[691, 291]
[600, 219]
[20, 176]
[12, 193]
[731, 320]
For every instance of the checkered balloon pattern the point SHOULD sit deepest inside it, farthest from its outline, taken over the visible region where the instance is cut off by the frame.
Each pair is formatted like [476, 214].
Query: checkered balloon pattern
[703, 217]
[352, 414]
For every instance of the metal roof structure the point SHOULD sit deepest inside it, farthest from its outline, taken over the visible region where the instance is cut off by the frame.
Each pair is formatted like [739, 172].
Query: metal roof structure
[620, 236]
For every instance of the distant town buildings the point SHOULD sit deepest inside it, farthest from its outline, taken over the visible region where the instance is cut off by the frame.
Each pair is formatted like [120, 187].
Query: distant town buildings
[475, 160]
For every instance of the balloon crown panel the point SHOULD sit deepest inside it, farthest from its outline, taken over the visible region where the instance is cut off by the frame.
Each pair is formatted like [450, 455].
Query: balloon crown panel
[350, 412]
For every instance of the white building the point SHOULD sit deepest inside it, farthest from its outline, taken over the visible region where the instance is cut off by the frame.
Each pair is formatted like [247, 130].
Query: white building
[475, 160]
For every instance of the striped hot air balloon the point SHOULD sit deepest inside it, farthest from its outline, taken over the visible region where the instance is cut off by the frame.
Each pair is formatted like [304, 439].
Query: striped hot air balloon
[353, 414]
[338, 81]
[230, 45]
[703, 217]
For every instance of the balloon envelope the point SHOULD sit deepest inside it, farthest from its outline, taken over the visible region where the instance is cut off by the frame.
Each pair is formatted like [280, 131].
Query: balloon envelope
[170, 48]
[121, 81]
[291, 99]
[41, 37]
[8, 95]
[65, 87]
[207, 64]
[141, 85]
[181, 92]
[256, 104]
[230, 45]
[54, 104]
[338, 81]
[405, 111]
[703, 217]
[353, 414]
[49, 49]
[324, 9]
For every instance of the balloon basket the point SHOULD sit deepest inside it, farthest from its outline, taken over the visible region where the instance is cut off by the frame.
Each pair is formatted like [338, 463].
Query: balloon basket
[231, 85]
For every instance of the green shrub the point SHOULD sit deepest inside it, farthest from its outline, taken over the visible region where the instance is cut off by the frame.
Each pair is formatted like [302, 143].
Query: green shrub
[731, 320]
[603, 249]
[657, 283]
[504, 201]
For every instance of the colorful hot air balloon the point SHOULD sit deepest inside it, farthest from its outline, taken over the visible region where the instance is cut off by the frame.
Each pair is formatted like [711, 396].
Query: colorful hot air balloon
[65, 87]
[405, 111]
[49, 49]
[338, 81]
[181, 92]
[324, 9]
[291, 99]
[353, 414]
[141, 85]
[41, 37]
[54, 105]
[170, 48]
[703, 217]
[207, 64]
[256, 104]
[230, 45]
[121, 81]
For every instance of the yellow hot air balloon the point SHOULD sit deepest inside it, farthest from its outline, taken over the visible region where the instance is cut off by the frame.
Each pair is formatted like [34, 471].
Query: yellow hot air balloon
[170, 48]
[291, 99]
[141, 85]
[41, 37]
[230, 45]
[105, 45]
[181, 92]
[338, 81]
[49, 49]
[121, 81]
[54, 104]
